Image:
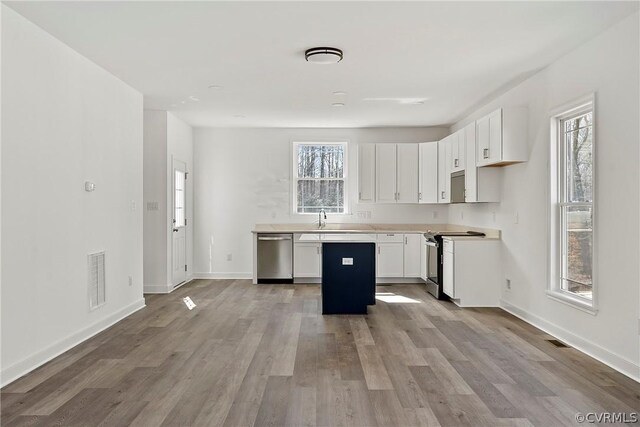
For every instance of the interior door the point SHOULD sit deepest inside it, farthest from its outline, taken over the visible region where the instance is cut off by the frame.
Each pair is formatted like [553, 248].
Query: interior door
[179, 226]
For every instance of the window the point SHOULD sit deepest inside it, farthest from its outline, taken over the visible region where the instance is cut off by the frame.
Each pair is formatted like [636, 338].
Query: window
[572, 205]
[320, 174]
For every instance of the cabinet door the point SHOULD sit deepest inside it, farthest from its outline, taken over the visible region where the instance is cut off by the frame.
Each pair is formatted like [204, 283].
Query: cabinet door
[390, 262]
[471, 171]
[423, 259]
[386, 173]
[495, 137]
[366, 173]
[412, 267]
[448, 284]
[482, 141]
[461, 151]
[453, 143]
[444, 170]
[407, 171]
[428, 172]
[307, 260]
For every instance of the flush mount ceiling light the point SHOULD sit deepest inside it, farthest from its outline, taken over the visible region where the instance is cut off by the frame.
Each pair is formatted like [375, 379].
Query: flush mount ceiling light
[215, 87]
[337, 104]
[339, 93]
[323, 55]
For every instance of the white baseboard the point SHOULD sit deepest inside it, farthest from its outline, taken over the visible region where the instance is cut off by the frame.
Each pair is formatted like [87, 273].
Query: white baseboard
[615, 361]
[223, 275]
[157, 289]
[19, 369]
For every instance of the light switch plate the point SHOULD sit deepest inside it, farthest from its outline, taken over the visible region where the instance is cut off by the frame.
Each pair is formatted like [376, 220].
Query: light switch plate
[347, 261]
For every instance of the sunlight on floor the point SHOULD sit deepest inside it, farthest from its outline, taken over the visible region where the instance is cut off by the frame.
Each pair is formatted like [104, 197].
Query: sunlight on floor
[390, 297]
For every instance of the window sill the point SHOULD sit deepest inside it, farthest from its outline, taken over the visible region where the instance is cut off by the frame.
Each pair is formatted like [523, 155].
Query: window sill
[573, 301]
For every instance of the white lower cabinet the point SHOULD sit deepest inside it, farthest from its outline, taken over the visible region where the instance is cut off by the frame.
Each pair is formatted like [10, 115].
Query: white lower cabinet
[390, 259]
[423, 258]
[412, 254]
[307, 260]
[471, 271]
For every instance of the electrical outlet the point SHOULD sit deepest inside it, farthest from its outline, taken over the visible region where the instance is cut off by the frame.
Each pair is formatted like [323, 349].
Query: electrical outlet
[362, 214]
[229, 257]
[461, 214]
[508, 284]
[130, 281]
[368, 214]
[434, 214]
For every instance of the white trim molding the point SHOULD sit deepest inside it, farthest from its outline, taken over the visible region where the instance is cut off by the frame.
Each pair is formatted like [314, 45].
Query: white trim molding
[28, 364]
[621, 364]
[223, 275]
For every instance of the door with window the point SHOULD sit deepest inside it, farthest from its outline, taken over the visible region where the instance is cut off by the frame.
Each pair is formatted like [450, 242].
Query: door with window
[179, 223]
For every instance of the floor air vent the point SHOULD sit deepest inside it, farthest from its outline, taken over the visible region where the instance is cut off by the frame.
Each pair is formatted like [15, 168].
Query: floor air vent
[558, 343]
[96, 280]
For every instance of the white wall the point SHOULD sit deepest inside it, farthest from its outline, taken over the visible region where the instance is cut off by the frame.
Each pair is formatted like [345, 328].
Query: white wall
[65, 120]
[165, 137]
[607, 65]
[243, 177]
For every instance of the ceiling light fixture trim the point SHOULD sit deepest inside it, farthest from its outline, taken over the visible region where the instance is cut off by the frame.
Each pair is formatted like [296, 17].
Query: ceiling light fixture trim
[323, 55]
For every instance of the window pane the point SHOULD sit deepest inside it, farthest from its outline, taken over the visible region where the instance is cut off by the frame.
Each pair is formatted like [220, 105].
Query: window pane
[578, 249]
[320, 161]
[579, 159]
[314, 196]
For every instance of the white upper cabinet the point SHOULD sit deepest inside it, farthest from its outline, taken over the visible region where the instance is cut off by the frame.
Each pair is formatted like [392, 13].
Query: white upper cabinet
[502, 137]
[457, 143]
[444, 170]
[386, 173]
[481, 184]
[396, 173]
[428, 172]
[366, 173]
[407, 173]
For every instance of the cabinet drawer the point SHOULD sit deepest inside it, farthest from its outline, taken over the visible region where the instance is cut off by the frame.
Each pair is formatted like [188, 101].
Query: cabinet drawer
[306, 237]
[391, 237]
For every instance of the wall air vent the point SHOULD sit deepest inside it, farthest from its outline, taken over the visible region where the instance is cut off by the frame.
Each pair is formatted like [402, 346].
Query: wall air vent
[96, 279]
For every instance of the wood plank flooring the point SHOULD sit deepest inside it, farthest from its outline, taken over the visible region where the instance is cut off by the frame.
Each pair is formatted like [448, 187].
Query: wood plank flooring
[264, 355]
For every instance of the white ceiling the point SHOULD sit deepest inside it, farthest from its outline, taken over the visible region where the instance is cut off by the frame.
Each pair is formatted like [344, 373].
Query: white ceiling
[452, 55]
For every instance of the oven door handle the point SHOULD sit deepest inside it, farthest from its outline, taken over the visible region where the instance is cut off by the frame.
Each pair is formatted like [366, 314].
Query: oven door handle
[432, 244]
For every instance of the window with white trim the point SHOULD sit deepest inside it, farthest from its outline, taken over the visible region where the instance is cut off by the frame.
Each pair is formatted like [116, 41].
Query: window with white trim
[572, 205]
[320, 172]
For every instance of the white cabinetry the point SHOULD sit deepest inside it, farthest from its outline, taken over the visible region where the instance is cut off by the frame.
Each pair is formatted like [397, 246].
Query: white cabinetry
[471, 270]
[386, 173]
[366, 173]
[412, 264]
[423, 258]
[502, 137]
[444, 170]
[428, 172]
[407, 173]
[307, 256]
[390, 257]
[457, 144]
[396, 173]
[481, 184]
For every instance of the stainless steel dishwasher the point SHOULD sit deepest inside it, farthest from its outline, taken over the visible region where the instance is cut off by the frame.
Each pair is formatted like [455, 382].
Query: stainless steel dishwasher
[275, 258]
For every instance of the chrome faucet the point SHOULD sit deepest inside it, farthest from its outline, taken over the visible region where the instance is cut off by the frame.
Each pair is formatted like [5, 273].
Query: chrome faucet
[322, 222]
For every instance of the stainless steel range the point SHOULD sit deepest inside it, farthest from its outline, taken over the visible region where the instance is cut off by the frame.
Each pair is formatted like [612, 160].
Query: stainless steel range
[434, 259]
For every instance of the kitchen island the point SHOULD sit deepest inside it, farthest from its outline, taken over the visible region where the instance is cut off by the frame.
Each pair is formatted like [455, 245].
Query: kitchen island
[399, 247]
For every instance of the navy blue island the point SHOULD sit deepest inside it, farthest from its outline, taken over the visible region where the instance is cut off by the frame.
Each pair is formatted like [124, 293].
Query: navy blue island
[348, 277]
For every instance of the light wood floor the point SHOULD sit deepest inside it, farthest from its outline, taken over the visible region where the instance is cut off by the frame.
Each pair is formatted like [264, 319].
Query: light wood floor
[263, 355]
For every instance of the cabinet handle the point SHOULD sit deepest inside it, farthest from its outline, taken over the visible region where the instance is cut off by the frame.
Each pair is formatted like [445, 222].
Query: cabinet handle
[397, 196]
[442, 196]
[360, 195]
[378, 250]
[318, 250]
[455, 162]
[419, 196]
[406, 240]
[485, 153]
